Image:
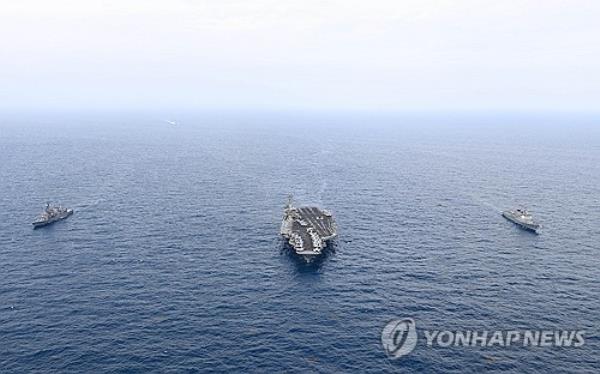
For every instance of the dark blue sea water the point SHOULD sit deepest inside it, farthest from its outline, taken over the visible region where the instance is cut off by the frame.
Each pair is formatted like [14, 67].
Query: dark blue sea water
[172, 260]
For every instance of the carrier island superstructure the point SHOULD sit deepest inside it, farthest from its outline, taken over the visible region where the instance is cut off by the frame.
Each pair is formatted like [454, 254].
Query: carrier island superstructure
[307, 229]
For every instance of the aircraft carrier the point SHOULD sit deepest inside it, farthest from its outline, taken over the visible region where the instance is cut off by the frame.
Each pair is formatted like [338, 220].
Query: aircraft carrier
[307, 229]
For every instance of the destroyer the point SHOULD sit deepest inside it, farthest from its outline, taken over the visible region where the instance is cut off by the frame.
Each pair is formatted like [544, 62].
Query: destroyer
[307, 229]
[51, 214]
[522, 218]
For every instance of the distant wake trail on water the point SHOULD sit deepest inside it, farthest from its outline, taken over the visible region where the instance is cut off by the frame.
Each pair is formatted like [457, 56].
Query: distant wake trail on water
[483, 202]
[85, 206]
[322, 191]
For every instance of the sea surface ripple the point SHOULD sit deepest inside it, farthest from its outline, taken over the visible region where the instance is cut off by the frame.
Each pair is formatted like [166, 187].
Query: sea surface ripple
[172, 260]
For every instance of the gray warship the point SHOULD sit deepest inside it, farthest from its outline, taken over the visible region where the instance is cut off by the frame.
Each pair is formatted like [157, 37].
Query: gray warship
[522, 218]
[51, 214]
[307, 229]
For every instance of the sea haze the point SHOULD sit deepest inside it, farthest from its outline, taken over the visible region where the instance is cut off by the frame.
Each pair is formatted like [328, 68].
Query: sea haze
[172, 260]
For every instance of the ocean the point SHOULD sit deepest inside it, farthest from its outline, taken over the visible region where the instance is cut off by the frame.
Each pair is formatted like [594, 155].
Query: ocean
[172, 261]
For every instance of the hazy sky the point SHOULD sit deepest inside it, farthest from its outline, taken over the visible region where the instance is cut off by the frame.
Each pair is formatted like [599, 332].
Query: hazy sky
[401, 55]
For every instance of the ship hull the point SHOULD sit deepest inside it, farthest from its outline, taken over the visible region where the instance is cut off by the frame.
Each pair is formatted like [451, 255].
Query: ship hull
[37, 225]
[305, 256]
[533, 227]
